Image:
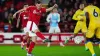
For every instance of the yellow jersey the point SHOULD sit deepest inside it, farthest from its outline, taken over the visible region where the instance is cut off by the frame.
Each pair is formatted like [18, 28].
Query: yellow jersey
[79, 14]
[94, 14]
[80, 25]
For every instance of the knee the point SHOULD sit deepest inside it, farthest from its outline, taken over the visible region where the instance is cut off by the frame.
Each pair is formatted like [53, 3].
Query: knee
[27, 34]
[34, 39]
[36, 30]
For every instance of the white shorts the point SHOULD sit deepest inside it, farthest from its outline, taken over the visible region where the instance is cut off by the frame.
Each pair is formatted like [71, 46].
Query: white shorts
[31, 34]
[30, 28]
[54, 30]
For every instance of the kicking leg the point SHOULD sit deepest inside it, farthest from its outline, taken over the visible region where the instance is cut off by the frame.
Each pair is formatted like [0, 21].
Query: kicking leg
[31, 46]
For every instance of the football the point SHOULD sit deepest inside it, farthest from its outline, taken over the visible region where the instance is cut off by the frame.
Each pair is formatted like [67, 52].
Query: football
[77, 40]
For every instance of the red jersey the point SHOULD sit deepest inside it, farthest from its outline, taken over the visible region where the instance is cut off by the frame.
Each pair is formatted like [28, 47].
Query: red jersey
[24, 16]
[35, 14]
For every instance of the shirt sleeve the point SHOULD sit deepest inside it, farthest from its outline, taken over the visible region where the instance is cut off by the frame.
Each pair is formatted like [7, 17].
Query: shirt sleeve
[43, 10]
[75, 16]
[58, 17]
[48, 18]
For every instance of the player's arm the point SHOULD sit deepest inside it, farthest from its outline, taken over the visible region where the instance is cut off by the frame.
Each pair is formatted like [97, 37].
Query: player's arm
[48, 18]
[14, 15]
[49, 9]
[18, 20]
[75, 16]
[58, 17]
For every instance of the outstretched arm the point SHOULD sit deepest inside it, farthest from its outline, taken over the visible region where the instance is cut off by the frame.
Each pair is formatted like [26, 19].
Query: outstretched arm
[48, 18]
[14, 15]
[18, 20]
[49, 9]
[58, 17]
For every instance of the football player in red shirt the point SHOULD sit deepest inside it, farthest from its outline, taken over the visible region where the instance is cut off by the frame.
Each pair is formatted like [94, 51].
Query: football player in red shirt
[35, 13]
[23, 18]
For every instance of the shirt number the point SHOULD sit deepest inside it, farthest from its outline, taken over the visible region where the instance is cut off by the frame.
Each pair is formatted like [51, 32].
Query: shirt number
[95, 13]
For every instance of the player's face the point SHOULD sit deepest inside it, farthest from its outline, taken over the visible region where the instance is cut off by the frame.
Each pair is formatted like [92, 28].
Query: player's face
[25, 6]
[39, 6]
[55, 10]
[81, 6]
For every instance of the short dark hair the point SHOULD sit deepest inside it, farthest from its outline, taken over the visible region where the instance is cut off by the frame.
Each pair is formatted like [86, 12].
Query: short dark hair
[89, 1]
[38, 2]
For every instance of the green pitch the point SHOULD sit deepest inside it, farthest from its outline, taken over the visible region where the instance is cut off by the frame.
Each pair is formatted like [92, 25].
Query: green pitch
[45, 51]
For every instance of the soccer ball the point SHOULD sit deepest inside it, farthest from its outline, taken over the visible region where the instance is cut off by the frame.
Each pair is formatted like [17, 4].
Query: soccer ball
[77, 40]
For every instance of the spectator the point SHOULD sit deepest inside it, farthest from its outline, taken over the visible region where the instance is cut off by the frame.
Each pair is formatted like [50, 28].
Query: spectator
[10, 18]
[71, 28]
[51, 3]
[69, 17]
[12, 9]
[60, 4]
[5, 14]
[19, 5]
[66, 28]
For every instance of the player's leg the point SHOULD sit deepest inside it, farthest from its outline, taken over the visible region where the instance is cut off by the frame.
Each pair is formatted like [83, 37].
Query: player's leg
[32, 43]
[84, 30]
[89, 44]
[24, 40]
[31, 46]
[28, 43]
[57, 30]
[98, 35]
[38, 33]
[76, 30]
[51, 31]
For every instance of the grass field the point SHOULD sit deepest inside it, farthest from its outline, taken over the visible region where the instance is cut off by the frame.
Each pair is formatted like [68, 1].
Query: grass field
[45, 51]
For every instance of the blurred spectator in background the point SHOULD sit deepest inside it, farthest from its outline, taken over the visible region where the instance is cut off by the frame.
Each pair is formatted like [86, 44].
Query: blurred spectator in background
[5, 14]
[71, 29]
[51, 3]
[10, 18]
[12, 9]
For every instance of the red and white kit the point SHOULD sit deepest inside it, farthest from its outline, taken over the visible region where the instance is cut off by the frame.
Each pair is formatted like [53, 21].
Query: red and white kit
[34, 18]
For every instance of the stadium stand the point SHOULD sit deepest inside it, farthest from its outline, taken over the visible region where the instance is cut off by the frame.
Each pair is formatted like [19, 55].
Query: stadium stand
[66, 9]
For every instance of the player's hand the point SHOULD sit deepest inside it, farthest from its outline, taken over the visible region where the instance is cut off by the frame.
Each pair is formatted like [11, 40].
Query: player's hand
[81, 19]
[17, 26]
[14, 16]
[55, 6]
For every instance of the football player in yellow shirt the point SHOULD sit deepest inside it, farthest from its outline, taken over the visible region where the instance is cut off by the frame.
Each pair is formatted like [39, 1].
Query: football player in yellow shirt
[79, 16]
[93, 14]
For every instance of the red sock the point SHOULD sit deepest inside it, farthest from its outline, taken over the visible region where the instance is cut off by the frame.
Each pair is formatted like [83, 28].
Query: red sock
[23, 40]
[31, 47]
[50, 36]
[59, 38]
[39, 34]
[27, 45]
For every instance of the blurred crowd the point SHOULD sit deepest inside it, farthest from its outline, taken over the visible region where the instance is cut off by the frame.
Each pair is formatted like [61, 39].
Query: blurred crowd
[66, 9]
